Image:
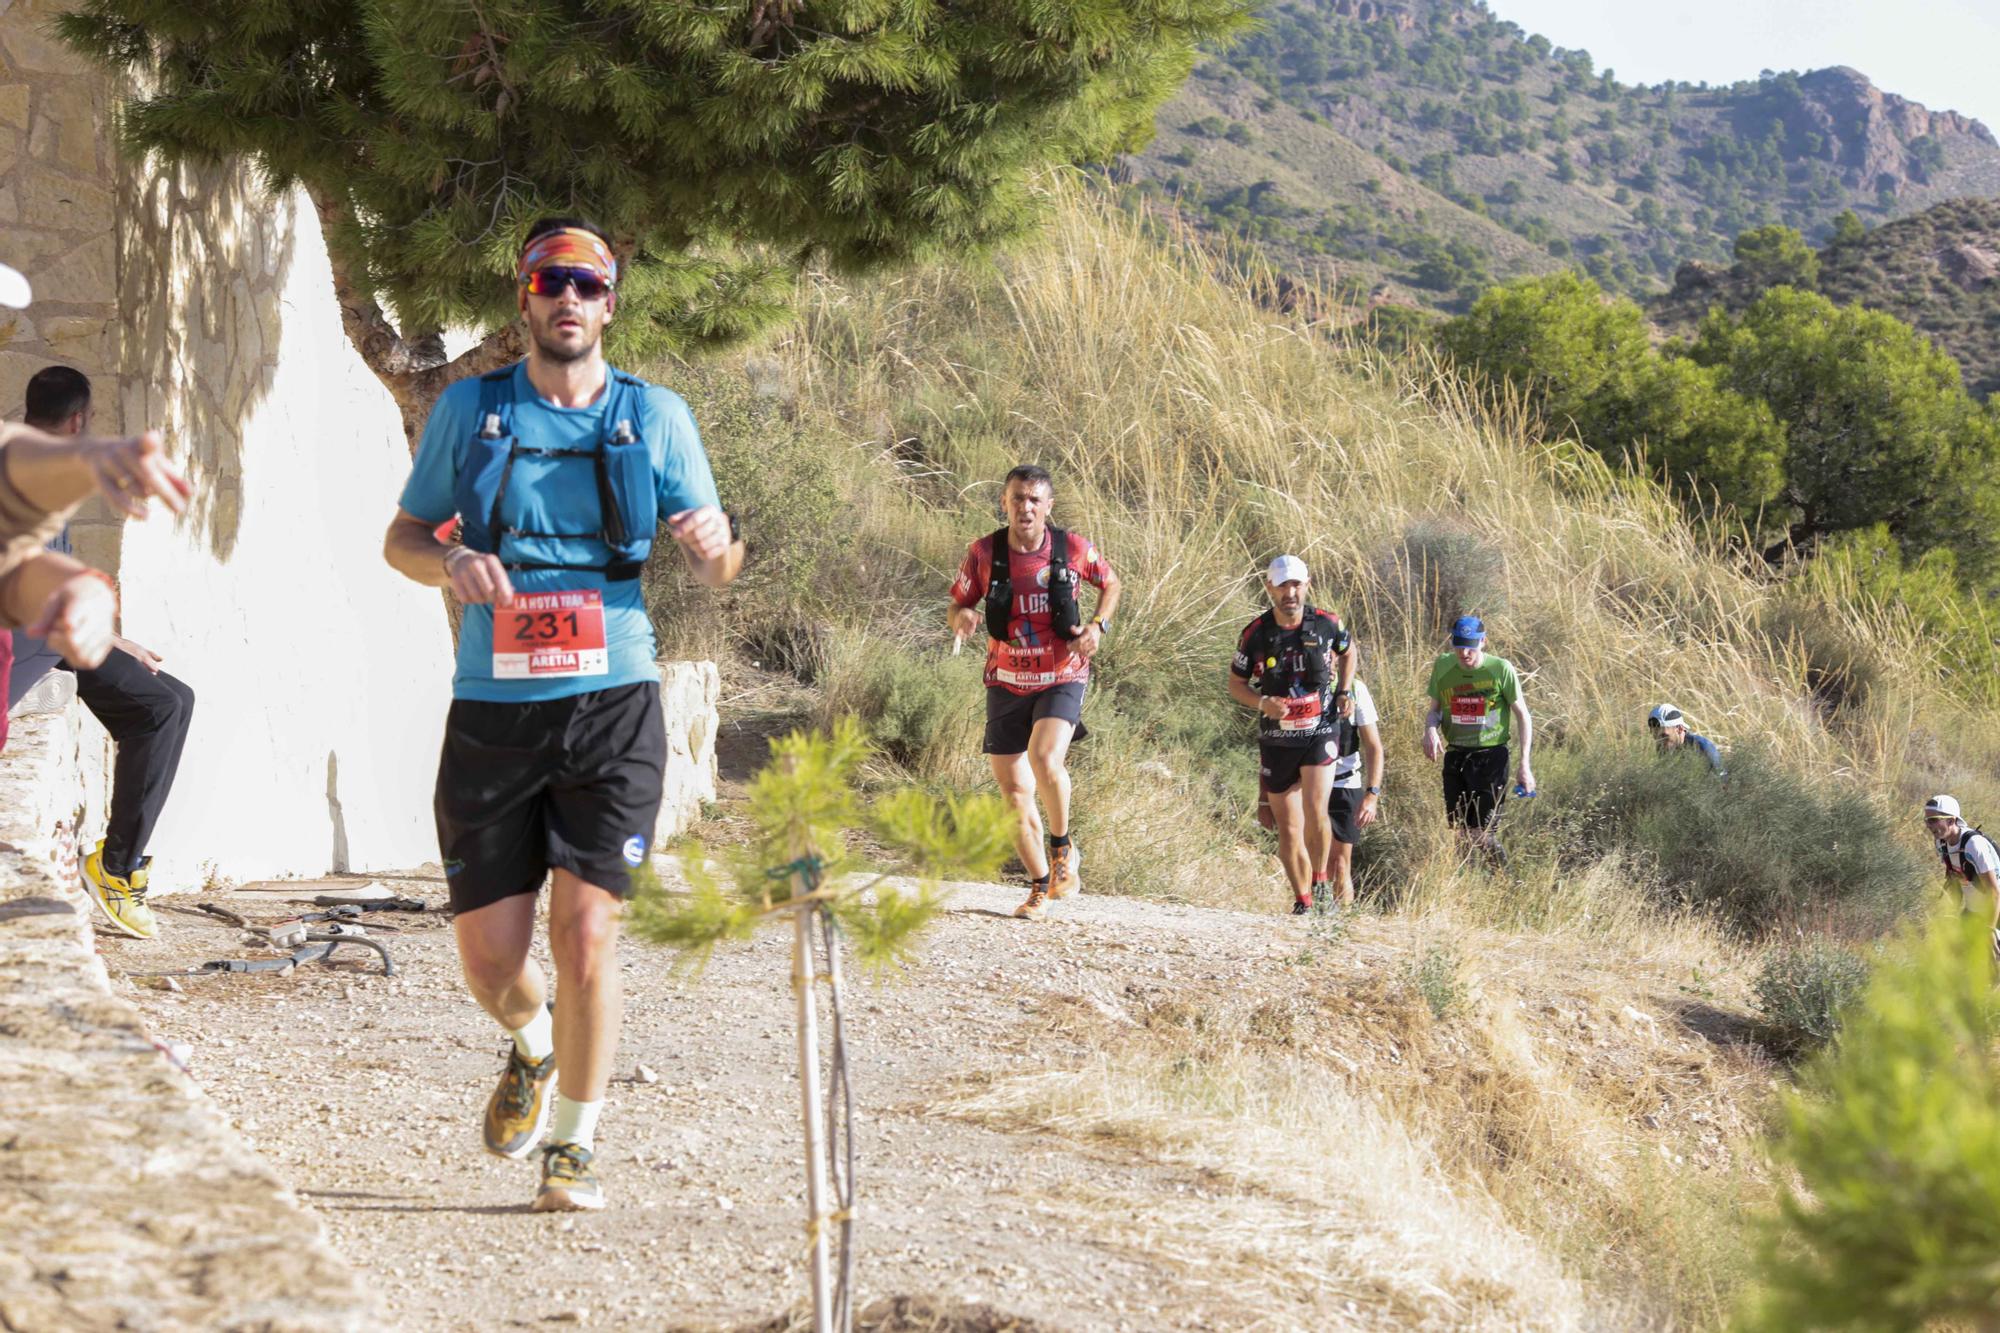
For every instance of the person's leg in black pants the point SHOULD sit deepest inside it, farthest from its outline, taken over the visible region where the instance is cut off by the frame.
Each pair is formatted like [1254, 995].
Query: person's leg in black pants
[147, 716]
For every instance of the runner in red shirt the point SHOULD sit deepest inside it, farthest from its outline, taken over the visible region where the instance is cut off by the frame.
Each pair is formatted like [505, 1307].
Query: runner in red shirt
[1038, 652]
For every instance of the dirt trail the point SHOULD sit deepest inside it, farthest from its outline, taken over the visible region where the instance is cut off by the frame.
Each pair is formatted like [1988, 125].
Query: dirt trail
[366, 1093]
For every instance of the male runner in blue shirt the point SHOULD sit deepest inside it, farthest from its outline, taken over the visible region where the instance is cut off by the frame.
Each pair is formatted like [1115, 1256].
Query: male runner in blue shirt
[560, 470]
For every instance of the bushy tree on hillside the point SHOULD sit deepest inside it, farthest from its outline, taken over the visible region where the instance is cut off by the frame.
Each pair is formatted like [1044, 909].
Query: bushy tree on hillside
[722, 145]
[1776, 256]
[1879, 428]
[1896, 1140]
[1587, 362]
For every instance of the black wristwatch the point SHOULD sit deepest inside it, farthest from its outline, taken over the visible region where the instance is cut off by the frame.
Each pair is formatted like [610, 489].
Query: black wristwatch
[1374, 791]
[735, 528]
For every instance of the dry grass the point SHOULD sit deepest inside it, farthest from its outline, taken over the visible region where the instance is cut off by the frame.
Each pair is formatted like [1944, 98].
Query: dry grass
[1561, 1152]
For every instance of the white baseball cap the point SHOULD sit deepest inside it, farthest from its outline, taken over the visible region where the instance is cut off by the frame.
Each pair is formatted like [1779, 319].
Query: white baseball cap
[14, 289]
[1942, 805]
[1666, 715]
[1286, 569]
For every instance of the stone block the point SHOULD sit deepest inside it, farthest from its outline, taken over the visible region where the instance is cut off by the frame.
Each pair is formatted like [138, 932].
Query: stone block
[689, 695]
[15, 369]
[14, 105]
[70, 118]
[50, 198]
[86, 275]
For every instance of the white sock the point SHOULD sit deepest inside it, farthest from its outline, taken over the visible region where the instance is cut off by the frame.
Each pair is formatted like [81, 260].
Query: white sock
[575, 1122]
[537, 1041]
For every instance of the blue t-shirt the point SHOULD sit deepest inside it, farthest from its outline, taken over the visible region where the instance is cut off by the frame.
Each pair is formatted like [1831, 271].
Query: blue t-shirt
[556, 495]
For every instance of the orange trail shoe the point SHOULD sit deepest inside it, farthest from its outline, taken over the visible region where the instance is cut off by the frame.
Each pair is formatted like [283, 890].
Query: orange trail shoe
[1037, 904]
[568, 1183]
[1065, 865]
[518, 1110]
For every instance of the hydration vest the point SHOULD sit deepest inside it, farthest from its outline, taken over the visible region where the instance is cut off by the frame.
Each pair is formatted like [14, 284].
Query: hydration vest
[627, 492]
[1321, 637]
[1962, 870]
[1064, 617]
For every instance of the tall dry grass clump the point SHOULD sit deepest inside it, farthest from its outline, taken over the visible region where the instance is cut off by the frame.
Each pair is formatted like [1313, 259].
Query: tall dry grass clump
[1194, 435]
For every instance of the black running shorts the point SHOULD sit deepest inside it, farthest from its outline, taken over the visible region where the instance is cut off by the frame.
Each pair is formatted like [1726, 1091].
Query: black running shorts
[571, 784]
[1475, 782]
[1344, 809]
[1279, 765]
[1011, 717]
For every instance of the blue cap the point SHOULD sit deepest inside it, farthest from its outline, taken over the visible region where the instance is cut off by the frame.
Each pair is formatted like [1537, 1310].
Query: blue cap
[1467, 632]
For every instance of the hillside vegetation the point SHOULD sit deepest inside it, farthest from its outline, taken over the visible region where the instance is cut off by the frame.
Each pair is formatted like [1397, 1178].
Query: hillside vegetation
[1428, 147]
[1937, 271]
[1193, 434]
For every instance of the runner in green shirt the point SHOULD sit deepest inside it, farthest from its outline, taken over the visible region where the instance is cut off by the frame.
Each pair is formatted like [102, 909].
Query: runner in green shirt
[1476, 714]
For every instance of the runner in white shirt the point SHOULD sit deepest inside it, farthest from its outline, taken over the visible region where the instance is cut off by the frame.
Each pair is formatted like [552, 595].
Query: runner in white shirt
[1971, 861]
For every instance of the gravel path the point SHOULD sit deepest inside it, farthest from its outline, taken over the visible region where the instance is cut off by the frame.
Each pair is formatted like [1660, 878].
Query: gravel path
[366, 1092]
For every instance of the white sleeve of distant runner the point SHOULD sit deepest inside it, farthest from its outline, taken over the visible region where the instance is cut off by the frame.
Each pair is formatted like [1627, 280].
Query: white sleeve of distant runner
[1364, 706]
[1980, 855]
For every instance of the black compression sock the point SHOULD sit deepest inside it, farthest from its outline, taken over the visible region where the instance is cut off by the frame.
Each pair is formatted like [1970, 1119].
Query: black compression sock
[1058, 840]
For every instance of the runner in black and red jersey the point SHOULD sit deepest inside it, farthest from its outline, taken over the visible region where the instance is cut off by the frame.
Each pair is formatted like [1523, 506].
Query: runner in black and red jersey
[1038, 655]
[1285, 667]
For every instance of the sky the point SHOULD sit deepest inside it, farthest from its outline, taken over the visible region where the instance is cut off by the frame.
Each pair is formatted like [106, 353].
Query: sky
[1942, 53]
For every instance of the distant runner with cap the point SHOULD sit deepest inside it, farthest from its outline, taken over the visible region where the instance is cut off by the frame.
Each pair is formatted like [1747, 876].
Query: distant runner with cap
[1294, 666]
[1971, 862]
[1038, 651]
[561, 471]
[1476, 714]
[1670, 729]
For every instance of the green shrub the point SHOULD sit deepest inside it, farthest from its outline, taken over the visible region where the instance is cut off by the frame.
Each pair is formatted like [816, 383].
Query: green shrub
[1435, 975]
[923, 710]
[1896, 1141]
[1801, 991]
[1767, 848]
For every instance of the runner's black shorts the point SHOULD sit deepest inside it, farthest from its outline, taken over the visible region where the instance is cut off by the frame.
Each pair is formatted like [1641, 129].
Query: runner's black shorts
[1475, 782]
[1279, 765]
[1011, 717]
[1343, 807]
[571, 784]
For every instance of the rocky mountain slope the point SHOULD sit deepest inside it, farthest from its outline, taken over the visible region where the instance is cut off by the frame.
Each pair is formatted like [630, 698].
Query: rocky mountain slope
[1427, 147]
[1938, 271]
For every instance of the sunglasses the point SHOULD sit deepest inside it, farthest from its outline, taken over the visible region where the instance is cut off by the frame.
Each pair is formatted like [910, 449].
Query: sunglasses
[550, 281]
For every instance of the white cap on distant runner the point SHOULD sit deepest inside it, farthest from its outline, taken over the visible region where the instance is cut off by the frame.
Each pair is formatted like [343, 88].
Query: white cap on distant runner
[1286, 569]
[1942, 805]
[14, 289]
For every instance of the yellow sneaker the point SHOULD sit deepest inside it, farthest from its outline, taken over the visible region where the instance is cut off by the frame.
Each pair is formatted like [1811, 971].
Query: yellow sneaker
[123, 901]
[518, 1110]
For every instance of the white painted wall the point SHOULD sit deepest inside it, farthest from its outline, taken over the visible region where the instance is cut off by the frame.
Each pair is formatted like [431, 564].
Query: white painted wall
[321, 676]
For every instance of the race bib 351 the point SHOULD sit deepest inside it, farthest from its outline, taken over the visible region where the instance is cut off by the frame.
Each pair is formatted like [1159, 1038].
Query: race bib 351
[545, 634]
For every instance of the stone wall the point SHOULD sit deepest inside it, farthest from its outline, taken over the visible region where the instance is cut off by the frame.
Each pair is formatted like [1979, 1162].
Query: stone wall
[126, 1200]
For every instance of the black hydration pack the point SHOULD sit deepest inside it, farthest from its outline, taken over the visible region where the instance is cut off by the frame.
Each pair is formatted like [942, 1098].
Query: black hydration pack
[1064, 616]
[1960, 871]
[1321, 639]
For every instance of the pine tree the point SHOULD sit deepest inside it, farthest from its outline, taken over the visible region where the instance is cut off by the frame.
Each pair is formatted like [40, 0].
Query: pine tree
[723, 146]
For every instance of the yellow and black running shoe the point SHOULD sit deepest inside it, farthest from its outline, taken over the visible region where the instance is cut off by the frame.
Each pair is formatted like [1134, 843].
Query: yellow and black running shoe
[568, 1183]
[518, 1110]
[123, 899]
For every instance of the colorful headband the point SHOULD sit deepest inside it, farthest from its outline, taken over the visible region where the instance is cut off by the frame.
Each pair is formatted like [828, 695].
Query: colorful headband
[573, 247]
